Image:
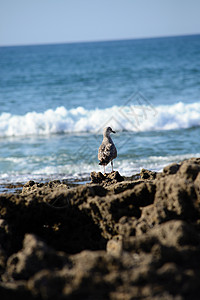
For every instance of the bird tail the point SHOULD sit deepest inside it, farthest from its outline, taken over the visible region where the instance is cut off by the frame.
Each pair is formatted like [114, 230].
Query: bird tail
[103, 162]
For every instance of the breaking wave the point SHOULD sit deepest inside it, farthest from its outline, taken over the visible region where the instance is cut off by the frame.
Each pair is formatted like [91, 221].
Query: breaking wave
[130, 118]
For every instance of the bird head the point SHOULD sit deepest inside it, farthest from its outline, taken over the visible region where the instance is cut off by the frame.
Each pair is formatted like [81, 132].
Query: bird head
[107, 131]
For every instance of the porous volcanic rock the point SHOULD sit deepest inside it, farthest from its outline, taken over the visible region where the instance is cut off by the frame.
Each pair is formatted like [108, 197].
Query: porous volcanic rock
[106, 179]
[114, 238]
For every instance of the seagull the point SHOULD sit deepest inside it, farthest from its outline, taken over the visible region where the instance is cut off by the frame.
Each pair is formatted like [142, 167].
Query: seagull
[107, 150]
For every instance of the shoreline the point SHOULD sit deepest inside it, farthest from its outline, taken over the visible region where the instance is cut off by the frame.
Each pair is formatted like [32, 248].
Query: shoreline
[113, 238]
[16, 188]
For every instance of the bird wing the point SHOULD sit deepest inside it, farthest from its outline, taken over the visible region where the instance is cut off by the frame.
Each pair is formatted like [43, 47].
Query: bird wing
[107, 152]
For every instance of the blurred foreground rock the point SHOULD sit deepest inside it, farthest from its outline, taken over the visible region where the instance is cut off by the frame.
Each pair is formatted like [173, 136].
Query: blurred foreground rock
[114, 238]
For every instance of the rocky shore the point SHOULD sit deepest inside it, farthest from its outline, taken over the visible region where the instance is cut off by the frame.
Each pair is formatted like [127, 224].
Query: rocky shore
[114, 238]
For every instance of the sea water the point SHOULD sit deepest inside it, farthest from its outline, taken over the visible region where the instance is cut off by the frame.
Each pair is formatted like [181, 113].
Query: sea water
[55, 101]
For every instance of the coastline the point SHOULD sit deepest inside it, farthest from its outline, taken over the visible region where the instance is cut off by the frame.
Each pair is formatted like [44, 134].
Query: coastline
[113, 238]
[17, 187]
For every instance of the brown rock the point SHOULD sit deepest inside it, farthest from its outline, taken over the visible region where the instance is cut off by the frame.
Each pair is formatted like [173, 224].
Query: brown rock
[171, 169]
[114, 246]
[189, 170]
[42, 188]
[146, 174]
[112, 239]
[120, 187]
[34, 256]
[174, 233]
[86, 279]
[106, 179]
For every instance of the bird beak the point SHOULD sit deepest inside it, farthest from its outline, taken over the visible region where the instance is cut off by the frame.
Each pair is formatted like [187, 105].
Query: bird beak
[113, 131]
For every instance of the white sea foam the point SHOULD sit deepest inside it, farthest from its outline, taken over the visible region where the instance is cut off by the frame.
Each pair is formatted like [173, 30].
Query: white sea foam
[126, 167]
[130, 118]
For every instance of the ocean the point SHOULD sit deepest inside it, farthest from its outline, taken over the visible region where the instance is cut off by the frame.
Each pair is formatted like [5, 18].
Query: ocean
[55, 101]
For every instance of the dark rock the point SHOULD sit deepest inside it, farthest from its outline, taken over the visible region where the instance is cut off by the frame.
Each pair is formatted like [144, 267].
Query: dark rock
[174, 233]
[34, 256]
[120, 187]
[110, 239]
[12, 290]
[175, 198]
[42, 188]
[146, 174]
[86, 280]
[55, 218]
[5, 235]
[3, 258]
[189, 170]
[106, 179]
[171, 169]
[115, 246]
[107, 211]
[47, 285]
[97, 177]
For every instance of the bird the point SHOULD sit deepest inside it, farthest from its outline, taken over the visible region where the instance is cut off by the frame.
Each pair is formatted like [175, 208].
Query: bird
[107, 150]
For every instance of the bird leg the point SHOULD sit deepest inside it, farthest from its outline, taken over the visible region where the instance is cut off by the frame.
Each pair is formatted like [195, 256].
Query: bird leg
[112, 165]
[104, 169]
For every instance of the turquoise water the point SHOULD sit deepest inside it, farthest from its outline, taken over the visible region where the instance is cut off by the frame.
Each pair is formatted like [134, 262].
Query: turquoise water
[56, 99]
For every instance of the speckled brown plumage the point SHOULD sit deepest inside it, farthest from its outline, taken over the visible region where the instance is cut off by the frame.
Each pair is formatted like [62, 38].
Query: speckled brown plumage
[107, 150]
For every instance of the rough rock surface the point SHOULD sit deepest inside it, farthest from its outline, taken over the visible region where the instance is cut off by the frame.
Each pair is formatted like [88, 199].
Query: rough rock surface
[106, 179]
[114, 238]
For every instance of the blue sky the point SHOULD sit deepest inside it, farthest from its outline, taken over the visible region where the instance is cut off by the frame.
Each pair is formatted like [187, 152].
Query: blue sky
[60, 21]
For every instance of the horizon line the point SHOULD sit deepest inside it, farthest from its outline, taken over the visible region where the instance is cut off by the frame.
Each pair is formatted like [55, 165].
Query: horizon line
[100, 40]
